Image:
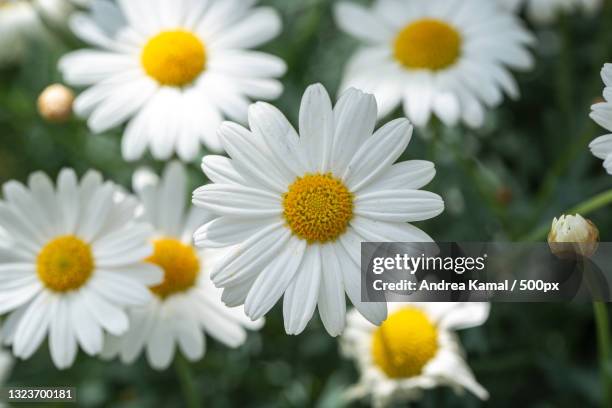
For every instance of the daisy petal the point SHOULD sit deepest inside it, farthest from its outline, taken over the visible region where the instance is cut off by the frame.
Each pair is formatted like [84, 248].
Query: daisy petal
[274, 279]
[399, 205]
[332, 302]
[377, 154]
[300, 299]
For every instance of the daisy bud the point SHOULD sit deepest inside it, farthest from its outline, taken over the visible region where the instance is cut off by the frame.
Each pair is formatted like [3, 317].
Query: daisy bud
[572, 235]
[55, 103]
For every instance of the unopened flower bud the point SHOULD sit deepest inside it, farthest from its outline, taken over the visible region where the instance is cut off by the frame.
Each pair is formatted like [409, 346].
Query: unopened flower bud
[55, 103]
[572, 235]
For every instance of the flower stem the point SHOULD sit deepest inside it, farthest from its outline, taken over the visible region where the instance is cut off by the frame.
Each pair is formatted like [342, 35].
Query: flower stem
[603, 342]
[185, 376]
[584, 208]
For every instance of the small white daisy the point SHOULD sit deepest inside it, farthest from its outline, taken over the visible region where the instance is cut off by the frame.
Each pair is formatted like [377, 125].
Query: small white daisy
[186, 304]
[414, 350]
[602, 114]
[70, 263]
[172, 69]
[451, 58]
[295, 209]
[546, 11]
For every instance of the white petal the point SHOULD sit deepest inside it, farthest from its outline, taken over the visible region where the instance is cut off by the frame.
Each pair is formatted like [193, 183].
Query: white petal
[317, 127]
[377, 154]
[160, 347]
[332, 301]
[271, 126]
[348, 256]
[399, 205]
[274, 280]
[301, 296]
[249, 258]
[234, 200]
[110, 317]
[355, 116]
[411, 174]
[62, 342]
[87, 331]
[227, 231]
[262, 25]
[33, 325]
[219, 169]
[361, 23]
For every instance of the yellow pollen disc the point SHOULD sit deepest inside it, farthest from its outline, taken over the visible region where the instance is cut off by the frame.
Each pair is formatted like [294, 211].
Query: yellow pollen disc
[65, 264]
[404, 343]
[174, 58]
[427, 44]
[180, 264]
[318, 207]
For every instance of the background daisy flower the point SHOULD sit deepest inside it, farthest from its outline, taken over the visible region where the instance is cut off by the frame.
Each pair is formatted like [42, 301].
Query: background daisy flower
[415, 349]
[19, 21]
[450, 58]
[602, 114]
[172, 69]
[545, 11]
[295, 209]
[186, 304]
[70, 263]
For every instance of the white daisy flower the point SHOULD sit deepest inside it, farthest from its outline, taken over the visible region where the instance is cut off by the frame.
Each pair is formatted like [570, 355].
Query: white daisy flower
[70, 263]
[186, 304]
[172, 69]
[414, 350]
[19, 22]
[602, 114]
[295, 209]
[450, 58]
[546, 11]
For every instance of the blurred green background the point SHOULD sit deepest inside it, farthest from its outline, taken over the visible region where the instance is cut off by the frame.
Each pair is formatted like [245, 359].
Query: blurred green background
[528, 164]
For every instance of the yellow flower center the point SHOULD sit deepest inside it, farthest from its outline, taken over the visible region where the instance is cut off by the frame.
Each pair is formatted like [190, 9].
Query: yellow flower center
[427, 44]
[180, 263]
[174, 58]
[404, 343]
[65, 264]
[318, 207]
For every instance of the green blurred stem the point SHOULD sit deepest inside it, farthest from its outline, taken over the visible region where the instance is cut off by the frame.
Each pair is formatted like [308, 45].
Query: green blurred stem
[185, 376]
[603, 342]
[584, 208]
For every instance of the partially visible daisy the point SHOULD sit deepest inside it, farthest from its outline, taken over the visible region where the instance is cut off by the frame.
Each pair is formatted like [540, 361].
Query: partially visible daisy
[20, 22]
[186, 304]
[414, 350]
[172, 69]
[295, 209]
[602, 114]
[448, 58]
[70, 263]
[545, 11]
[6, 364]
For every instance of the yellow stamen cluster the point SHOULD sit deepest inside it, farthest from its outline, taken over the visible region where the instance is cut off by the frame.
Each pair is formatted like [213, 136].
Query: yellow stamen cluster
[428, 44]
[180, 263]
[174, 58]
[318, 207]
[65, 264]
[404, 343]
